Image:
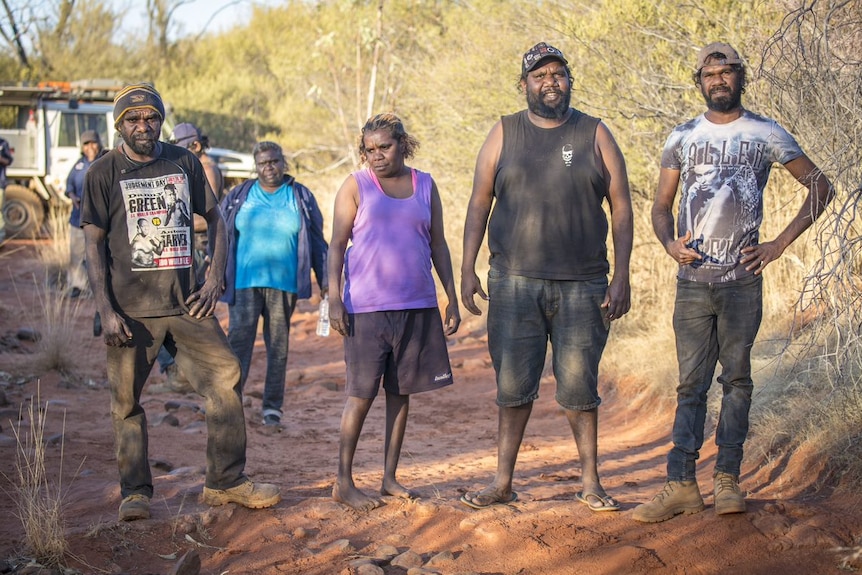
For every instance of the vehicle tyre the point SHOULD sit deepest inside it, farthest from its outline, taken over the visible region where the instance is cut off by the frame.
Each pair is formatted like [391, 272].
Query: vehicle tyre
[22, 212]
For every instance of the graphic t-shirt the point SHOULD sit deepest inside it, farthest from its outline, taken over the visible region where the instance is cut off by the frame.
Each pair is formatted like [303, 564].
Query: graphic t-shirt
[723, 171]
[267, 226]
[146, 212]
[158, 221]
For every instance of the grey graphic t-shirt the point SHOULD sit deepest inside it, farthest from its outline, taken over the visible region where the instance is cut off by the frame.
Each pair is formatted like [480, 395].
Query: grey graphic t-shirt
[723, 171]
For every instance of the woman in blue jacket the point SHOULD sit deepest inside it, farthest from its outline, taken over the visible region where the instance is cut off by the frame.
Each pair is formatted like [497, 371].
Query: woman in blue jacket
[275, 239]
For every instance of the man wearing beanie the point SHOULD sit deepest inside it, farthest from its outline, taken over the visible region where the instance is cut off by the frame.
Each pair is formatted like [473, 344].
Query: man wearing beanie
[143, 307]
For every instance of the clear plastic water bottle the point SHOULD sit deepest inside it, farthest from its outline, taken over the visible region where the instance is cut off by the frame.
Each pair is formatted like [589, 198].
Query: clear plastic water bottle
[323, 317]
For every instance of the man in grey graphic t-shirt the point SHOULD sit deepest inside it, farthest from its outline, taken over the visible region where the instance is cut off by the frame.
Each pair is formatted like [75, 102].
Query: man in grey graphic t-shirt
[720, 161]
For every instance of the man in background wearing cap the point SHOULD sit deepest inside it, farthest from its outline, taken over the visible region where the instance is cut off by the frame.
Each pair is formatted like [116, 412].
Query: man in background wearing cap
[721, 161]
[142, 307]
[188, 136]
[547, 170]
[76, 274]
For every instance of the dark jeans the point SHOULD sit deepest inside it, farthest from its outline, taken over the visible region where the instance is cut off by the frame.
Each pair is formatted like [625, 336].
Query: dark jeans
[276, 307]
[713, 323]
[203, 354]
[165, 359]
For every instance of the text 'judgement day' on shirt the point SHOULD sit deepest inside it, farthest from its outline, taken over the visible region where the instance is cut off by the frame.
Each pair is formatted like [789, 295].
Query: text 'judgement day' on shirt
[723, 172]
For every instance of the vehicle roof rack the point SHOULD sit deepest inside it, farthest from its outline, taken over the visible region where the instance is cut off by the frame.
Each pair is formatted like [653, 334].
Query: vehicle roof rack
[92, 90]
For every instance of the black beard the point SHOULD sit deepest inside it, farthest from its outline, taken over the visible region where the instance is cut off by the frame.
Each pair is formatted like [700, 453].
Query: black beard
[142, 147]
[724, 102]
[539, 108]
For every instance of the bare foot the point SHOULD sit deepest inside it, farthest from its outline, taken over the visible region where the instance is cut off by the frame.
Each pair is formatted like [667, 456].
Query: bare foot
[352, 497]
[487, 497]
[395, 489]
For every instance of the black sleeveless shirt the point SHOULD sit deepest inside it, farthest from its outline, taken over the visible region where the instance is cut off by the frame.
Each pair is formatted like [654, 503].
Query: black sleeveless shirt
[548, 221]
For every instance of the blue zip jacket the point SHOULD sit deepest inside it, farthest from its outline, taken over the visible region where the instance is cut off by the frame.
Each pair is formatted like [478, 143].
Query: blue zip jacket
[311, 248]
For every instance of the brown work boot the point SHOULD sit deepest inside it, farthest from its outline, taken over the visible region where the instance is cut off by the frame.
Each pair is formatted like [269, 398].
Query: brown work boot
[676, 497]
[134, 507]
[728, 497]
[248, 494]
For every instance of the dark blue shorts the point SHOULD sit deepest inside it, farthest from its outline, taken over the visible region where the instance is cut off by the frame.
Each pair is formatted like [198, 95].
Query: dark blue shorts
[406, 348]
[524, 314]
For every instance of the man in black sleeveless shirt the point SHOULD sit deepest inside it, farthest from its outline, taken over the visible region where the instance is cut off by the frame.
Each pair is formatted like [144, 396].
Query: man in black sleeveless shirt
[546, 171]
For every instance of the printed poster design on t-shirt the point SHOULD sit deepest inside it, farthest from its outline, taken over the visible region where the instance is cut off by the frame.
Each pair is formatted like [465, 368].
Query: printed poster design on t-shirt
[721, 207]
[159, 222]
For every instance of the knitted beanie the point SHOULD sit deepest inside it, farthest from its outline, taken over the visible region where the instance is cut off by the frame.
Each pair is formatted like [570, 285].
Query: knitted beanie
[137, 96]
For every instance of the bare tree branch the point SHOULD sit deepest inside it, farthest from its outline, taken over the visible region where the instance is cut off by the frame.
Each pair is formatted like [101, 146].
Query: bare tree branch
[14, 38]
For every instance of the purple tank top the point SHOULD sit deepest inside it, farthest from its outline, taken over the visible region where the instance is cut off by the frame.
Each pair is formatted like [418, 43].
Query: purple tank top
[388, 264]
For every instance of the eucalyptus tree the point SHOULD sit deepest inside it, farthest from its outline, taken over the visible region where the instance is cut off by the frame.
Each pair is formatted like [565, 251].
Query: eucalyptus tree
[62, 39]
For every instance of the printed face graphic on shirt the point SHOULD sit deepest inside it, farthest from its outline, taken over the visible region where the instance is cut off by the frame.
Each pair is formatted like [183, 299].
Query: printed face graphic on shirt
[159, 222]
[721, 208]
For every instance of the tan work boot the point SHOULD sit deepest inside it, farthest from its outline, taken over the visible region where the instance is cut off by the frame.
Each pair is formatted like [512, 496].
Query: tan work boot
[134, 507]
[728, 497]
[676, 497]
[248, 494]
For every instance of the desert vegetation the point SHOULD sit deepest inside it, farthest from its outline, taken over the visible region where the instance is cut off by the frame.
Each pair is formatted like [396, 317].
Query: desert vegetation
[308, 74]
[38, 487]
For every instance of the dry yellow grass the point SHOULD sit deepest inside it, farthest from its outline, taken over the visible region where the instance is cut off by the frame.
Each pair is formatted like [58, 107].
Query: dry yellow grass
[813, 400]
[44, 304]
[54, 351]
[54, 254]
[38, 492]
[52, 316]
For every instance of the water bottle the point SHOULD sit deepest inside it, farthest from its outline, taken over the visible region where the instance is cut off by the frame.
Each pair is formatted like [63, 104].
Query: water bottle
[323, 317]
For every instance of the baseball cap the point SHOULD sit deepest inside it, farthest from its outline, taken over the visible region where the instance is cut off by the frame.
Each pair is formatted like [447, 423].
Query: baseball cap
[730, 56]
[184, 134]
[539, 52]
[88, 136]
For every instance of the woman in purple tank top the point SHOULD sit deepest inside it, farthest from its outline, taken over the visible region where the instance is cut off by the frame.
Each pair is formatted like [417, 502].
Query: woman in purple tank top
[385, 304]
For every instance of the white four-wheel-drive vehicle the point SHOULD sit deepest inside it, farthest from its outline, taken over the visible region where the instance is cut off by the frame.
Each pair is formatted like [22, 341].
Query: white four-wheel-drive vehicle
[43, 125]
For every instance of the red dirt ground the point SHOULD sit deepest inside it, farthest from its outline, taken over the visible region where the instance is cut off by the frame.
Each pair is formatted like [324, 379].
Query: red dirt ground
[450, 447]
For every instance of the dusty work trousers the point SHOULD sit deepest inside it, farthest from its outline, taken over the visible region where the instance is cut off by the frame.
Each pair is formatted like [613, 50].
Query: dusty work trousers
[202, 352]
